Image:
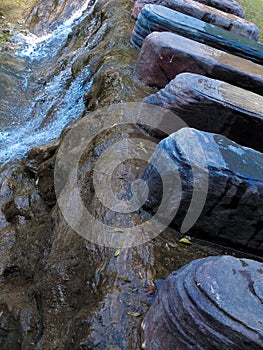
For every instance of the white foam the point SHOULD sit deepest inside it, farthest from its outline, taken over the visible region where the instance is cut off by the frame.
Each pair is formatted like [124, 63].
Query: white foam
[35, 46]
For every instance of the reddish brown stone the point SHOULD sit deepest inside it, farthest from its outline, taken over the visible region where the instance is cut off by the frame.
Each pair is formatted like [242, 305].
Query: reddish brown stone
[164, 55]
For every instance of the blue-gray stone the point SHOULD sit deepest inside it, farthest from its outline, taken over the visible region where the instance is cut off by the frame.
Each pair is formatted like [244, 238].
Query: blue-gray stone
[205, 13]
[221, 185]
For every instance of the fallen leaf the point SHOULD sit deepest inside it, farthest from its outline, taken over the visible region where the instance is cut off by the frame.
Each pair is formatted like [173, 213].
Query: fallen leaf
[134, 314]
[185, 240]
[117, 253]
[125, 279]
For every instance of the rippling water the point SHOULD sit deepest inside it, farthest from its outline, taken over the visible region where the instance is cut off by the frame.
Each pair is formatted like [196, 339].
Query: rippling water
[39, 95]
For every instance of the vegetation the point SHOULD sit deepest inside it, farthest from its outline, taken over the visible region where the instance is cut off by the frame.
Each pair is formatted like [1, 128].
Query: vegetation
[254, 13]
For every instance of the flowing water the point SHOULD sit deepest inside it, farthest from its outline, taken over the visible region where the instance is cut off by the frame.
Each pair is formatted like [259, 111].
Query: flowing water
[39, 95]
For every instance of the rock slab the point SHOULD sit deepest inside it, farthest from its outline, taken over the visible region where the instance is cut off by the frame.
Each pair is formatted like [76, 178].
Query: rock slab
[205, 13]
[159, 18]
[216, 185]
[213, 303]
[229, 6]
[214, 106]
[164, 55]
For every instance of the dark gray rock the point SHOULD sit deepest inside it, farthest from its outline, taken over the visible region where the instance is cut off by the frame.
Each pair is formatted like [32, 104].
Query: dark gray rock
[159, 18]
[213, 303]
[164, 55]
[216, 185]
[205, 13]
[215, 106]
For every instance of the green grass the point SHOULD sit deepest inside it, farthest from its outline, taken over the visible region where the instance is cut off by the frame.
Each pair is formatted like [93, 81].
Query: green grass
[4, 37]
[254, 13]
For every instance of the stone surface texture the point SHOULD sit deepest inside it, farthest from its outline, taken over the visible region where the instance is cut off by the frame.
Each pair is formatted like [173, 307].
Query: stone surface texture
[164, 55]
[159, 18]
[214, 106]
[215, 174]
[205, 13]
[213, 303]
[229, 6]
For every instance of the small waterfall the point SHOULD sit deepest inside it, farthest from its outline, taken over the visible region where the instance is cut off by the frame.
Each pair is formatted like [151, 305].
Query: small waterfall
[38, 47]
[40, 108]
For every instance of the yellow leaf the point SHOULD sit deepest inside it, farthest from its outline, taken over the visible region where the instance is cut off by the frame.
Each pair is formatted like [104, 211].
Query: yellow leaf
[125, 279]
[117, 253]
[134, 314]
[185, 240]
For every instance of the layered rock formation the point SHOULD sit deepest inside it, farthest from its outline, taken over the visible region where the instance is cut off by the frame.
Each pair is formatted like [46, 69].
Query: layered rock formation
[205, 13]
[159, 18]
[164, 55]
[215, 106]
[215, 173]
[213, 304]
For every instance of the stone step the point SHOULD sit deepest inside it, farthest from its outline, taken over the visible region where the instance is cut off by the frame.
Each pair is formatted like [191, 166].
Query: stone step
[164, 55]
[208, 304]
[205, 13]
[229, 6]
[214, 106]
[160, 18]
[216, 184]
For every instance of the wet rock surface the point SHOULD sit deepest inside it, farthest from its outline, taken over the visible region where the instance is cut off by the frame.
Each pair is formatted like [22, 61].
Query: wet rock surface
[205, 13]
[214, 106]
[164, 55]
[214, 172]
[159, 18]
[58, 291]
[212, 303]
[46, 15]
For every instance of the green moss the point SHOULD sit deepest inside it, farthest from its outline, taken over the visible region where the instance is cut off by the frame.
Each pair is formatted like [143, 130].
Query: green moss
[5, 37]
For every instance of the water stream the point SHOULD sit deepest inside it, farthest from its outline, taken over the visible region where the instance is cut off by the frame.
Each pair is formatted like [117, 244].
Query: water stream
[39, 95]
